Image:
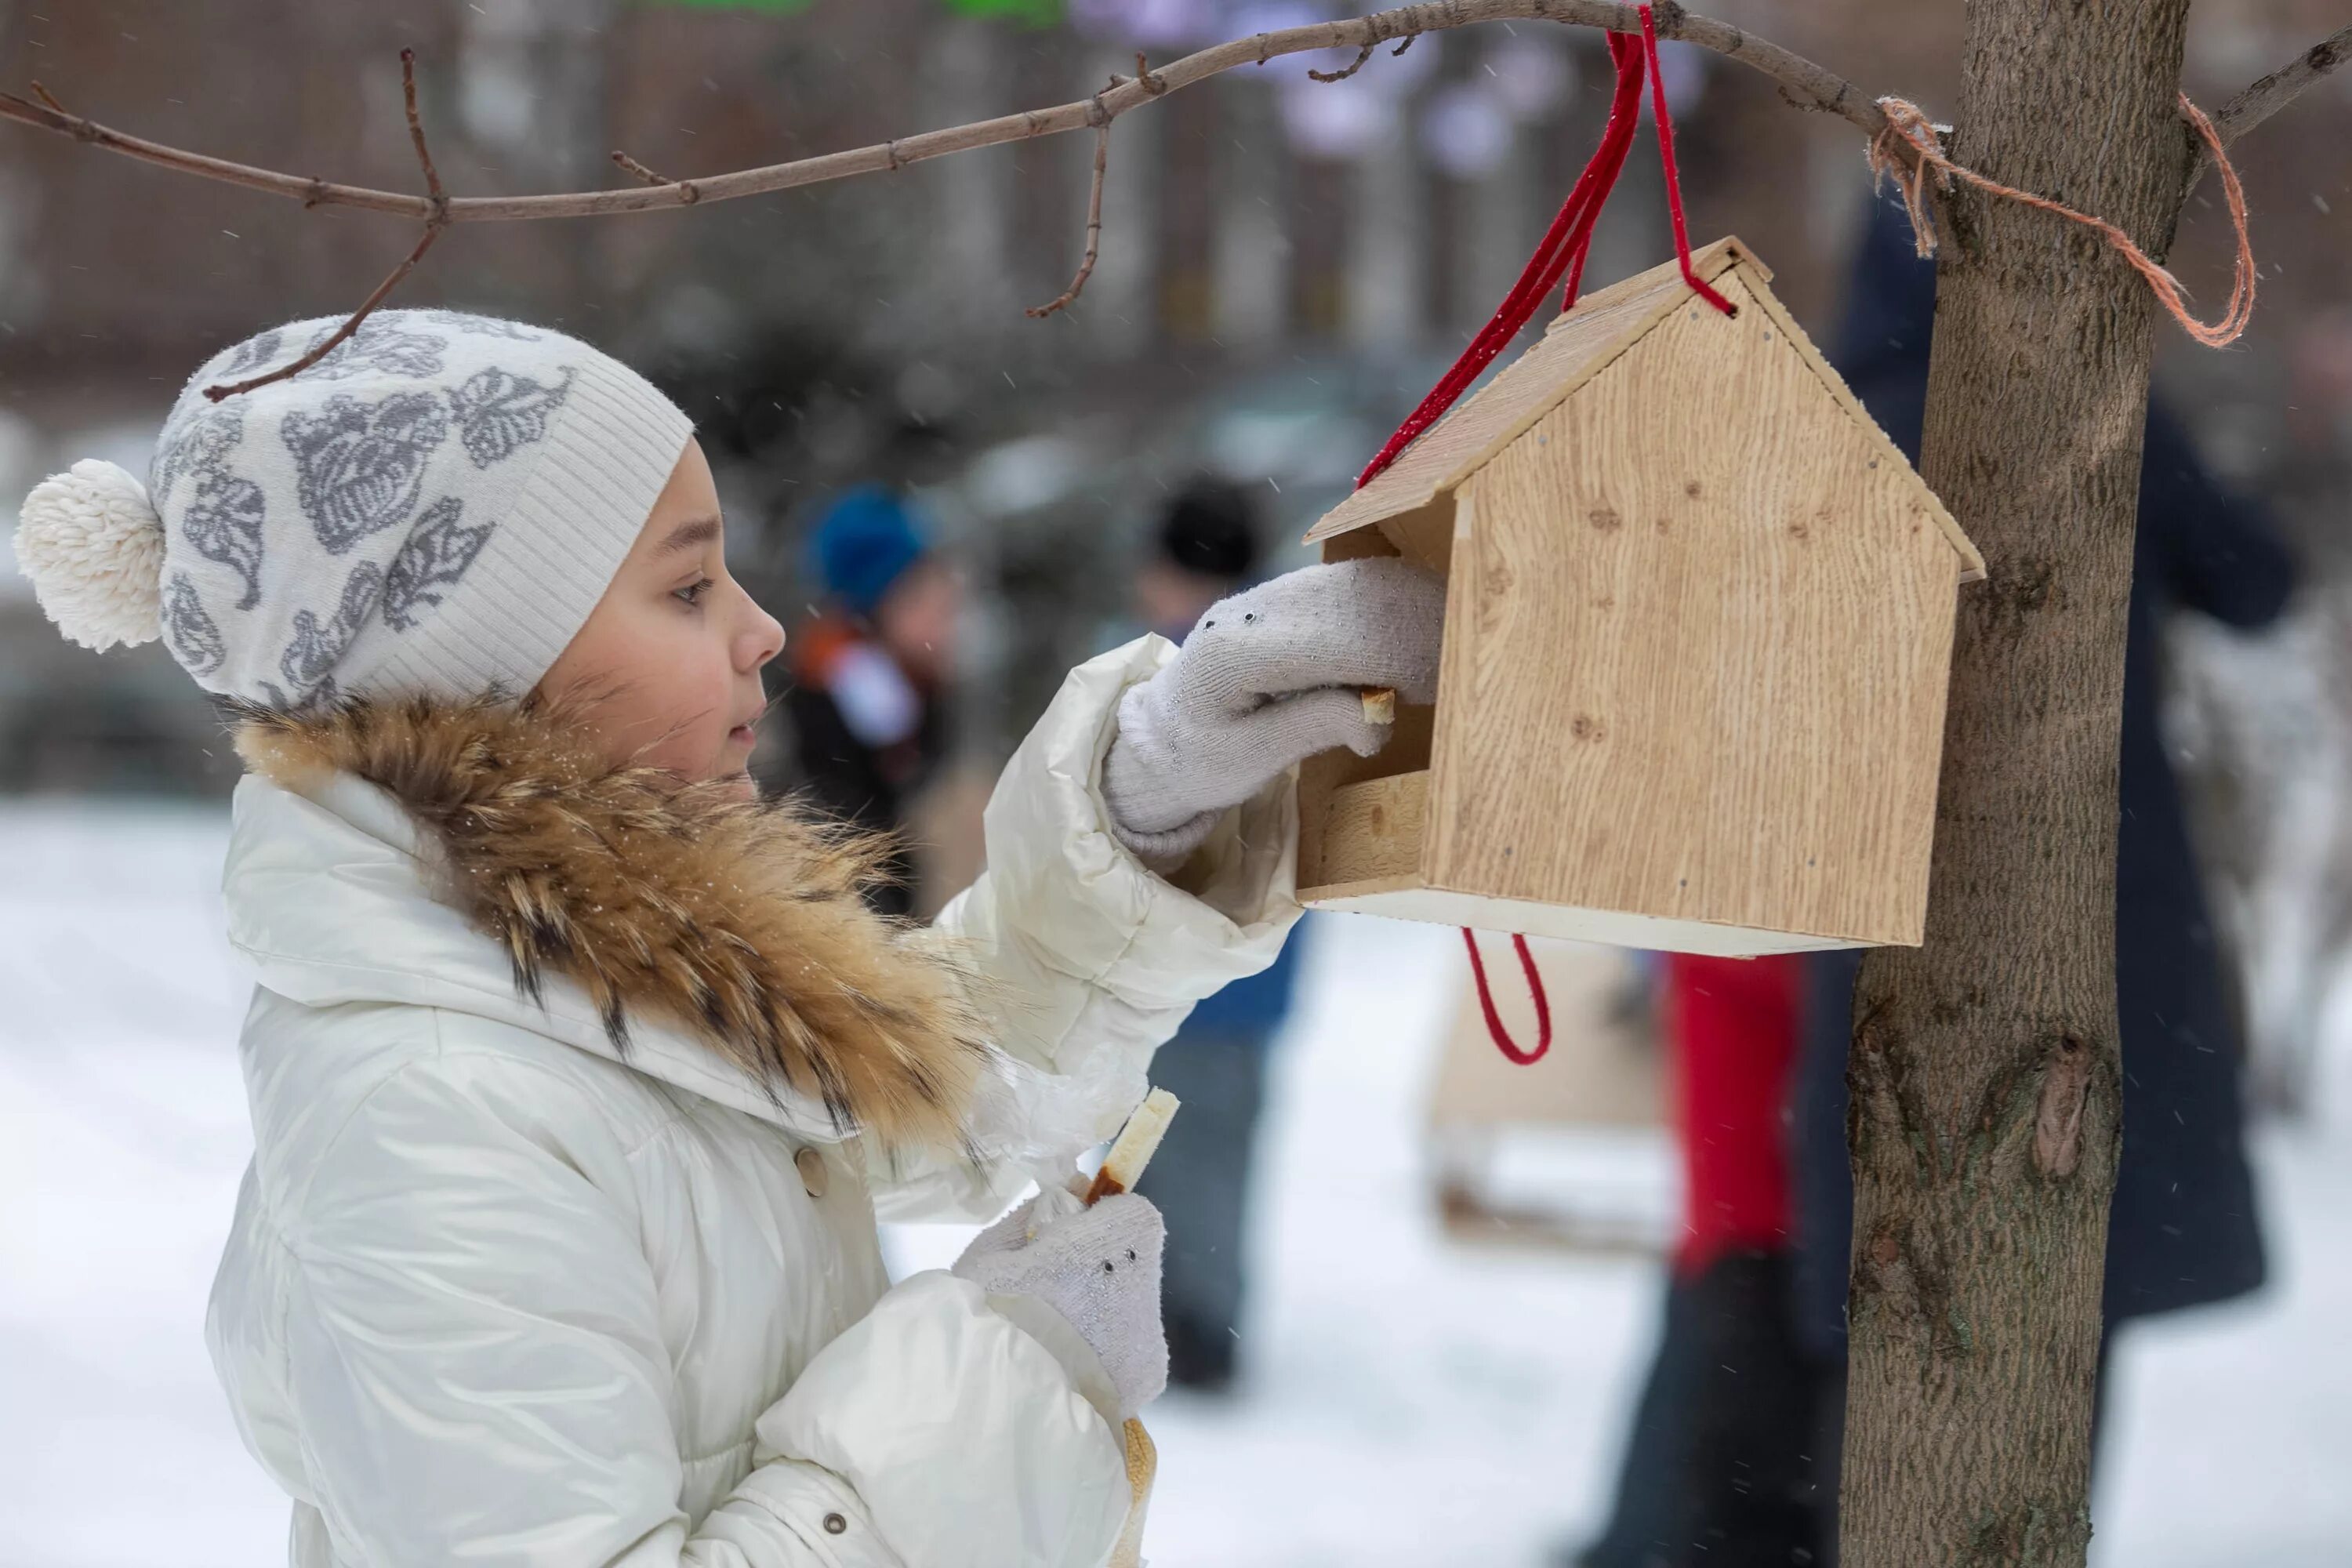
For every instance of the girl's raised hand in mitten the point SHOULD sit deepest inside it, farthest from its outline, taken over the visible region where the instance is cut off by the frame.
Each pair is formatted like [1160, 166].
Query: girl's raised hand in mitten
[1268, 679]
[1098, 1268]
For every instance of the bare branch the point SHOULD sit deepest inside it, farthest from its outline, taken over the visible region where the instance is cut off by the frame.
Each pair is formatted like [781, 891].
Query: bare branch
[2270, 94]
[2282, 86]
[48, 98]
[1805, 84]
[1094, 226]
[435, 222]
[367, 308]
[433, 190]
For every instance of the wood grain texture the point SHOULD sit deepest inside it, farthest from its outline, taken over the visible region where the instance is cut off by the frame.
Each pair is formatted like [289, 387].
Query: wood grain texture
[1142, 1468]
[1695, 651]
[1372, 831]
[1319, 778]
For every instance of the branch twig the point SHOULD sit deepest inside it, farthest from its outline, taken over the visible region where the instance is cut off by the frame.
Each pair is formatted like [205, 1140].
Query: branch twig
[1094, 230]
[2270, 94]
[435, 222]
[1805, 84]
[433, 190]
[1361, 56]
[690, 193]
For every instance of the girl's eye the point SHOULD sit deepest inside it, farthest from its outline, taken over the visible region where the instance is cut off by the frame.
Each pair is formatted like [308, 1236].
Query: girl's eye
[691, 594]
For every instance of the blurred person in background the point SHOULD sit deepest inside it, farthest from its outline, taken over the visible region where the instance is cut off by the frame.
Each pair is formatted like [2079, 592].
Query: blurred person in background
[867, 686]
[1205, 549]
[1734, 1451]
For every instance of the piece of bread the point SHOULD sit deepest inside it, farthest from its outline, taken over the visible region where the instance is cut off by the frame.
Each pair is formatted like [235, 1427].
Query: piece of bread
[1137, 1142]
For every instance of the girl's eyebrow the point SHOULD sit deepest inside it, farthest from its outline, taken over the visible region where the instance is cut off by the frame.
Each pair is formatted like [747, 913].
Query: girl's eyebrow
[691, 534]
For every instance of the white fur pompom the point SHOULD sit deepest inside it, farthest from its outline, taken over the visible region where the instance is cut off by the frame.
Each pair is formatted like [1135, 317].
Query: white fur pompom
[93, 546]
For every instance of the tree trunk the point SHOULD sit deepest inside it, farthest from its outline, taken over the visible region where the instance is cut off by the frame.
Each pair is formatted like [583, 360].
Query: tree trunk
[1985, 1070]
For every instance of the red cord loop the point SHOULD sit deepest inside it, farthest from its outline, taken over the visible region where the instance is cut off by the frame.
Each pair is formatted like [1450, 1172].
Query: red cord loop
[1674, 174]
[1561, 253]
[1502, 1036]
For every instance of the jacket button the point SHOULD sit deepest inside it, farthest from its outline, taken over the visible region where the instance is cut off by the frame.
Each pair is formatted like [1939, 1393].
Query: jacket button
[812, 1169]
[836, 1525]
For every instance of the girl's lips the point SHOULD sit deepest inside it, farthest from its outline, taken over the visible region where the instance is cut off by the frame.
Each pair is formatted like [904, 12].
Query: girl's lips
[741, 735]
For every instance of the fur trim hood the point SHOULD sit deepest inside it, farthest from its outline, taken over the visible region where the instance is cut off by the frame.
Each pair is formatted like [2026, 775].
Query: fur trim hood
[740, 922]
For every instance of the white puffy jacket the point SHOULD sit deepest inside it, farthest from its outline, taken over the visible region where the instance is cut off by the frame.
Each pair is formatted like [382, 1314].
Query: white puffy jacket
[500, 1291]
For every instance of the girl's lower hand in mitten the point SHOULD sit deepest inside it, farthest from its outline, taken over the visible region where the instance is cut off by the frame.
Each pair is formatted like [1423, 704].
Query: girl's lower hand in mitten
[1098, 1271]
[1268, 679]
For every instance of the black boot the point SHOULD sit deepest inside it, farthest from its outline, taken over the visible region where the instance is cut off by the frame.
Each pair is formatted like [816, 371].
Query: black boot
[1720, 1468]
[1199, 1358]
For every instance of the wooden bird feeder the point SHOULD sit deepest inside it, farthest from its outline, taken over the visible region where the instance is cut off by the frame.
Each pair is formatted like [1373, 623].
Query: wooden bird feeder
[1698, 626]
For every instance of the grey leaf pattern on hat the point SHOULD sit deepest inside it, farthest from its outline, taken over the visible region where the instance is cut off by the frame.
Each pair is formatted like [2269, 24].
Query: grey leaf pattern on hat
[361, 465]
[255, 352]
[377, 347]
[499, 412]
[326, 694]
[194, 640]
[316, 647]
[203, 443]
[480, 326]
[435, 556]
[225, 524]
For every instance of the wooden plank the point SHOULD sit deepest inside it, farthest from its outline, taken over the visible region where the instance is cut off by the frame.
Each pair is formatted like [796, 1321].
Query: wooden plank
[1576, 347]
[1972, 566]
[1696, 675]
[1618, 928]
[1406, 752]
[1373, 830]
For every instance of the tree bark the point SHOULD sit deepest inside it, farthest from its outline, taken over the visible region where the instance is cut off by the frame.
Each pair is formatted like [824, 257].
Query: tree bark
[1985, 1122]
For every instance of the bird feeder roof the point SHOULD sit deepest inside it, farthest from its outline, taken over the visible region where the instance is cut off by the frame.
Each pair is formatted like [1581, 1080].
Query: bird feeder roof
[1581, 345]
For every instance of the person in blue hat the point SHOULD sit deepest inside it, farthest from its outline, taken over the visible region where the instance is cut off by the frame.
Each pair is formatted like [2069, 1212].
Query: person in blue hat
[864, 698]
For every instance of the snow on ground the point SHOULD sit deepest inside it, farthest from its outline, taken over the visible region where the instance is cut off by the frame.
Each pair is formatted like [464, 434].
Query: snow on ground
[1408, 1401]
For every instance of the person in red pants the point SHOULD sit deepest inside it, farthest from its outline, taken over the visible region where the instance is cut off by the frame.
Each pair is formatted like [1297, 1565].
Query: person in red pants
[1721, 1467]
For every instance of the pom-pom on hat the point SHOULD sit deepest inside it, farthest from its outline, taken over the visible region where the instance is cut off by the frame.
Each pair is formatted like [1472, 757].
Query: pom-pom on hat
[90, 541]
[434, 507]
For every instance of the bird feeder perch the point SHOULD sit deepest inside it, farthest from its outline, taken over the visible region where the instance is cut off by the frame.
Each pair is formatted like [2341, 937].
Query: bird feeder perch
[1698, 629]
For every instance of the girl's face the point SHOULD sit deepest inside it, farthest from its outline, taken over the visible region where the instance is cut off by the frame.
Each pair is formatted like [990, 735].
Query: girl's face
[668, 663]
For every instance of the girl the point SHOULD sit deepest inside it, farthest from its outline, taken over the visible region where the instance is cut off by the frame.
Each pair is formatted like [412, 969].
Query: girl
[579, 1074]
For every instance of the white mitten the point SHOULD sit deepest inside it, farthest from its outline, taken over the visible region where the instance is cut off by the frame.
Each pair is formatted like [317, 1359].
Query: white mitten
[1098, 1269]
[1268, 679]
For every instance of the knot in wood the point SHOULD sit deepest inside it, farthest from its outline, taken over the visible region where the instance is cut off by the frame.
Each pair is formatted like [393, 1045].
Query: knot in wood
[1097, 115]
[2058, 1118]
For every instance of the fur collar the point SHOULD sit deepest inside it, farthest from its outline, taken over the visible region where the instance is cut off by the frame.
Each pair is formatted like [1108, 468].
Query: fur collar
[740, 921]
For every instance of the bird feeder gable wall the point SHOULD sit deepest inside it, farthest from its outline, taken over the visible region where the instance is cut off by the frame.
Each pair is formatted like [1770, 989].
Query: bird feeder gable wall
[1698, 630]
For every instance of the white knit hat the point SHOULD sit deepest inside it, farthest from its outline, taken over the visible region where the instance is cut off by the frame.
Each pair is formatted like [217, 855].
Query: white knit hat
[434, 507]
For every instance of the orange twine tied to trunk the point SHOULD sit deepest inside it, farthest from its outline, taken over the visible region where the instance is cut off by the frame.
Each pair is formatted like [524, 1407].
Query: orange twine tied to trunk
[1908, 122]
